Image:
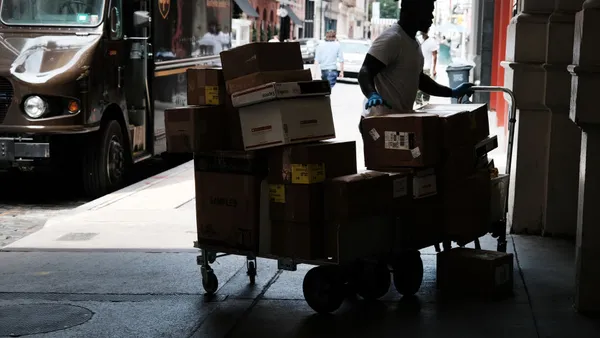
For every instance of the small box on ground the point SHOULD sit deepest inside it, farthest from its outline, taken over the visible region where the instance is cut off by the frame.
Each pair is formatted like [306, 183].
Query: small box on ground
[261, 57]
[258, 79]
[195, 128]
[401, 140]
[364, 194]
[466, 207]
[205, 87]
[463, 271]
[462, 124]
[311, 163]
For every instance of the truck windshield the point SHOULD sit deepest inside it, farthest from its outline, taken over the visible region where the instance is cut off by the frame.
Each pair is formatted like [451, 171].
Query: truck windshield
[52, 12]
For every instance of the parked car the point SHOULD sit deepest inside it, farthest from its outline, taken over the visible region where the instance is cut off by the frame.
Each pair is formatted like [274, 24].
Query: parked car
[308, 48]
[355, 52]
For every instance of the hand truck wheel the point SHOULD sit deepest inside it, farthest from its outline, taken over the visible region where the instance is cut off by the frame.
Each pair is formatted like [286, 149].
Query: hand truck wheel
[210, 283]
[323, 289]
[374, 281]
[251, 272]
[408, 273]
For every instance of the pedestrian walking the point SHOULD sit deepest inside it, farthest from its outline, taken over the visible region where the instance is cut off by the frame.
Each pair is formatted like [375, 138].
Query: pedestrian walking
[327, 55]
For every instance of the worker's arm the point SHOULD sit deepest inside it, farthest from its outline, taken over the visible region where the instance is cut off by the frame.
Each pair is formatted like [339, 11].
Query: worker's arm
[429, 86]
[366, 76]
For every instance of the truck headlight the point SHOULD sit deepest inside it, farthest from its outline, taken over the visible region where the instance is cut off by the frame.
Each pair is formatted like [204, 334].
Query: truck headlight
[35, 107]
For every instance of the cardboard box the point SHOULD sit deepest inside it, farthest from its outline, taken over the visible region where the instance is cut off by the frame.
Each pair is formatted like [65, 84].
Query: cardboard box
[281, 122]
[352, 239]
[407, 140]
[228, 210]
[279, 91]
[258, 79]
[261, 57]
[194, 128]
[463, 271]
[367, 193]
[297, 202]
[298, 240]
[462, 124]
[232, 162]
[205, 87]
[311, 163]
[466, 207]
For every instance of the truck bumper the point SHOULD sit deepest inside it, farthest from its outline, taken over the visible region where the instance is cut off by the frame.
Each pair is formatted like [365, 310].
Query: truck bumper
[16, 151]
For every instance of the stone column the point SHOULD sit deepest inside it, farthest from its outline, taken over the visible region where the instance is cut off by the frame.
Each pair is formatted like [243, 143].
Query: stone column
[565, 136]
[525, 75]
[584, 111]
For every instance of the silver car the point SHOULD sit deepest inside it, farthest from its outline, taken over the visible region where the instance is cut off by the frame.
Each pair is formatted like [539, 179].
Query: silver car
[308, 48]
[355, 52]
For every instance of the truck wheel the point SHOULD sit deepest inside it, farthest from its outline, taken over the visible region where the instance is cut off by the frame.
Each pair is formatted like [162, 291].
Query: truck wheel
[104, 161]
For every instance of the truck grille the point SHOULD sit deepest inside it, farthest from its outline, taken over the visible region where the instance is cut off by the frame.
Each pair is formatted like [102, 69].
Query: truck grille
[6, 96]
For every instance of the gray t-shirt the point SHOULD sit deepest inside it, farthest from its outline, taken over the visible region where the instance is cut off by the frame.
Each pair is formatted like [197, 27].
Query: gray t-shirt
[398, 82]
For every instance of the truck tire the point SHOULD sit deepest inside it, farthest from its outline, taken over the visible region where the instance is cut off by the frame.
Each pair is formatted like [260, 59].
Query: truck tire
[104, 161]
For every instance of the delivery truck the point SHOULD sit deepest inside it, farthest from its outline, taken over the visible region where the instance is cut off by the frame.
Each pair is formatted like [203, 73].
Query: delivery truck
[84, 83]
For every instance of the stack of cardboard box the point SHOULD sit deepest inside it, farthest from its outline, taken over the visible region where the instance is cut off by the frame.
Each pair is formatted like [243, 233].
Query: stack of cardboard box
[258, 129]
[438, 158]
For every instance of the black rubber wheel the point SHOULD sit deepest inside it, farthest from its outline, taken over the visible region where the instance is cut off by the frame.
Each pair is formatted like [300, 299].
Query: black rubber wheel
[210, 283]
[105, 161]
[374, 281]
[408, 273]
[252, 273]
[323, 289]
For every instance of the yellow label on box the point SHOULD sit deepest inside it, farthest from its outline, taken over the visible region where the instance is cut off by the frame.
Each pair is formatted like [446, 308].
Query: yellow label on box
[277, 193]
[212, 95]
[308, 173]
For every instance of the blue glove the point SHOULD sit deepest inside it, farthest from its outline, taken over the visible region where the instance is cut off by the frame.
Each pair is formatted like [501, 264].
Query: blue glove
[462, 90]
[375, 100]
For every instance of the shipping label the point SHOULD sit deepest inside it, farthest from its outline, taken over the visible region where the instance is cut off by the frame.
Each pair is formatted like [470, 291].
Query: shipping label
[400, 187]
[308, 173]
[277, 193]
[398, 140]
[374, 134]
[424, 186]
[211, 93]
[415, 152]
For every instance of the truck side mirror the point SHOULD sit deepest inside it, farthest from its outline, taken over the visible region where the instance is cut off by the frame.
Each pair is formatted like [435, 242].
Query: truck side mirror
[141, 19]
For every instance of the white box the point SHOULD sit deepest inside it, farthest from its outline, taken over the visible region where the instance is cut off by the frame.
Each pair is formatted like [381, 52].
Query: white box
[285, 90]
[287, 121]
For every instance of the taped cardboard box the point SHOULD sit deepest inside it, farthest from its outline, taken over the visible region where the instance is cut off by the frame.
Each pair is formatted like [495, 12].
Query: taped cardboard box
[462, 124]
[279, 91]
[258, 79]
[466, 207]
[303, 203]
[463, 271]
[195, 128]
[367, 193]
[311, 163]
[401, 140]
[261, 57]
[205, 87]
[299, 240]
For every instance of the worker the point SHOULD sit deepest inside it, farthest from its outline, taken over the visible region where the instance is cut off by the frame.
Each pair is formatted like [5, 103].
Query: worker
[393, 68]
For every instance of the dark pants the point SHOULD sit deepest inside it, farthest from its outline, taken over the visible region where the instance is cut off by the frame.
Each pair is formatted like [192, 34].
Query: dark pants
[330, 75]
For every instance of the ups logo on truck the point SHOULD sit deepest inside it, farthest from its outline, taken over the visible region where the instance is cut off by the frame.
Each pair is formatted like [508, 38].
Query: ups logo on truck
[164, 6]
[223, 201]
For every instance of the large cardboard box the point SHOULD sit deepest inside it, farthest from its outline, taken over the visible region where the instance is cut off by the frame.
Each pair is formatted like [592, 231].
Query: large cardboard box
[300, 240]
[462, 124]
[466, 207]
[232, 201]
[462, 271]
[205, 87]
[261, 57]
[367, 193]
[302, 203]
[401, 140]
[194, 128]
[258, 79]
[311, 163]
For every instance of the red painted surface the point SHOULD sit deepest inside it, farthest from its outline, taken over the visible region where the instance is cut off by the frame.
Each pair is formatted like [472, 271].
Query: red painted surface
[502, 17]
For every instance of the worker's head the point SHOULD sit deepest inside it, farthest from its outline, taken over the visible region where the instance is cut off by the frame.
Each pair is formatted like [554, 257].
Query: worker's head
[417, 13]
[330, 35]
